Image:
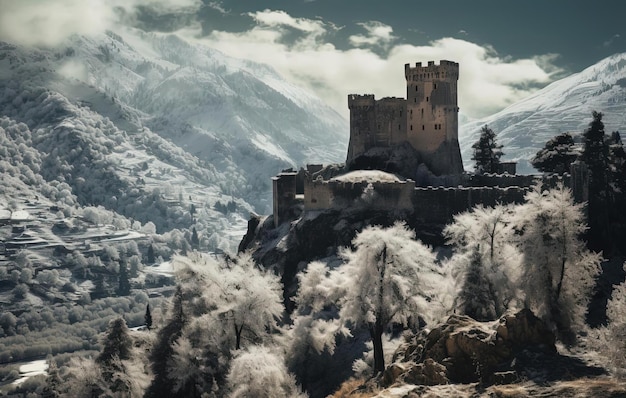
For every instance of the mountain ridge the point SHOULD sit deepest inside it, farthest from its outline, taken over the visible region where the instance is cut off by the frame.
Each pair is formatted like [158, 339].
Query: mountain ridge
[563, 106]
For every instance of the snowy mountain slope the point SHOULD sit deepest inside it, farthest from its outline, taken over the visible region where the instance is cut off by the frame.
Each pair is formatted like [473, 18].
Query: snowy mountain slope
[147, 125]
[563, 106]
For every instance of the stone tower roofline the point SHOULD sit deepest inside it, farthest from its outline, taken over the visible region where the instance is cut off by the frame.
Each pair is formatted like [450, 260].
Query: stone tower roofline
[445, 70]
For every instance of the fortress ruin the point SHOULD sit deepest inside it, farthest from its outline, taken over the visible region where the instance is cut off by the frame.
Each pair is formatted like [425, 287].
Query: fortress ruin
[404, 156]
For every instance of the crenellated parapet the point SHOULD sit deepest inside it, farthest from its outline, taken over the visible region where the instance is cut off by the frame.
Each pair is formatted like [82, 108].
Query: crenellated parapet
[446, 70]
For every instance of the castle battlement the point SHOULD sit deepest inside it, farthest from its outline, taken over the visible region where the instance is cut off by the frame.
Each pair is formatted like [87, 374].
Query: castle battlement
[360, 100]
[446, 70]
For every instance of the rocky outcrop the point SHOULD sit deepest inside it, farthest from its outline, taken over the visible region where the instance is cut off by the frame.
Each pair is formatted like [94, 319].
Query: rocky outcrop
[463, 350]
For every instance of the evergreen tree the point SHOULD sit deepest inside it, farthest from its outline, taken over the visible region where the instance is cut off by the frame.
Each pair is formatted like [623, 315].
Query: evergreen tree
[117, 342]
[487, 152]
[150, 256]
[195, 241]
[163, 350]
[617, 159]
[192, 209]
[53, 380]
[476, 295]
[557, 155]
[123, 282]
[595, 154]
[148, 317]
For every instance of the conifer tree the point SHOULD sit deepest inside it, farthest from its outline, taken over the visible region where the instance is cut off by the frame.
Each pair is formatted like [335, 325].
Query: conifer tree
[476, 295]
[163, 349]
[151, 259]
[195, 240]
[123, 282]
[595, 154]
[148, 317]
[557, 155]
[116, 344]
[487, 152]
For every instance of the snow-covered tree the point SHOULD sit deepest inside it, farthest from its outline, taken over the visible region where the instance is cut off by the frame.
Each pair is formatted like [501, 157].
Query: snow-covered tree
[116, 343]
[259, 371]
[611, 339]
[487, 152]
[243, 299]
[557, 155]
[388, 277]
[482, 237]
[558, 271]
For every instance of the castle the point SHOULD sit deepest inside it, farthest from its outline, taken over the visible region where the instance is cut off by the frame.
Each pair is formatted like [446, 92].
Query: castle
[404, 156]
[427, 119]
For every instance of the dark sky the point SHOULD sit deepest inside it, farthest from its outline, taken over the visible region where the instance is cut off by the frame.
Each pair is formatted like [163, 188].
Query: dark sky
[580, 32]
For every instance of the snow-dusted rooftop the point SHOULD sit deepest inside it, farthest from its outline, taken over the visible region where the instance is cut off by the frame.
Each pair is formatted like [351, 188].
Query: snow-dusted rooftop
[367, 176]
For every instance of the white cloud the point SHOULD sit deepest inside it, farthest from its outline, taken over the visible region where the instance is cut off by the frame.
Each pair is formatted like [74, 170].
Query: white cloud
[378, 34]
[488, 82]
[49, 22]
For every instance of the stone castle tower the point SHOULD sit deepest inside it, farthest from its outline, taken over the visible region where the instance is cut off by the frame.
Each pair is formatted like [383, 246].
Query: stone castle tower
[427, 119]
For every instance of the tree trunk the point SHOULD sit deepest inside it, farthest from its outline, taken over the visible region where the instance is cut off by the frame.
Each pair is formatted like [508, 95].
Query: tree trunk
[376, 333]
[238, 336]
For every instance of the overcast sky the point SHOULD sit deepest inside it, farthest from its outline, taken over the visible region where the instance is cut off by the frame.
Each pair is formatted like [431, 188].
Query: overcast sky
[507, 49]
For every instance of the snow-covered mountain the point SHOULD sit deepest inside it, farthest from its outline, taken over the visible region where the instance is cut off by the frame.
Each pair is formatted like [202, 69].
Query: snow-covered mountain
[148, 124]
[563, 106]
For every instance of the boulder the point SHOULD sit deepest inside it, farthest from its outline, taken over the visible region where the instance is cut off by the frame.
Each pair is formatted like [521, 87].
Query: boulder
[463, 350]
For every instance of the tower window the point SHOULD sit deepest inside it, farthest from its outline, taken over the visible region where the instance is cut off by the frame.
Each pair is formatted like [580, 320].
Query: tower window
[435, 86]
[398, 127]
[416, 88]
[426, 99]
[423, 127]
[411, 127]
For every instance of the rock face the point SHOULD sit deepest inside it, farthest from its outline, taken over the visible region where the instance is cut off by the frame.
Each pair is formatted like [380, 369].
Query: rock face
[463, 350]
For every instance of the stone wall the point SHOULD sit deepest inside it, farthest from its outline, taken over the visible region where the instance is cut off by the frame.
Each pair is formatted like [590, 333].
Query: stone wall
[322, 195]
[283, 195]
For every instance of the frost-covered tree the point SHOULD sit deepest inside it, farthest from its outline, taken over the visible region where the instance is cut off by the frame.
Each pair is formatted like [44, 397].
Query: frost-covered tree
[245, 301]
[230, 305]
[260, 372]
[163, 348]
[116, 343]
[388, 278]
[558, 271]
[557, 155]
[612, 338]
[487, 152]
[482, 237]
[313, 331]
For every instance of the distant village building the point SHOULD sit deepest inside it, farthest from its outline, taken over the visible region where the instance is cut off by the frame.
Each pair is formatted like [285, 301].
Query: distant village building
[404, 156]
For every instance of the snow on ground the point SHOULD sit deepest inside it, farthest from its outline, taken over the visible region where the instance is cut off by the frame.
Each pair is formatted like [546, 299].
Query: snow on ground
[33, 368]
[166, 268]
[20, 215]
[367, 175]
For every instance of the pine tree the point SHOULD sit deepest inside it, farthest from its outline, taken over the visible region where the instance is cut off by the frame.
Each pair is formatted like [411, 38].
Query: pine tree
[148, 317]
[116, 344]
[476, 296]
[163, 349]
[150, 255]
[123, 282]
[195, 241]
[595, 154]
[557, 155]
[487, 152]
